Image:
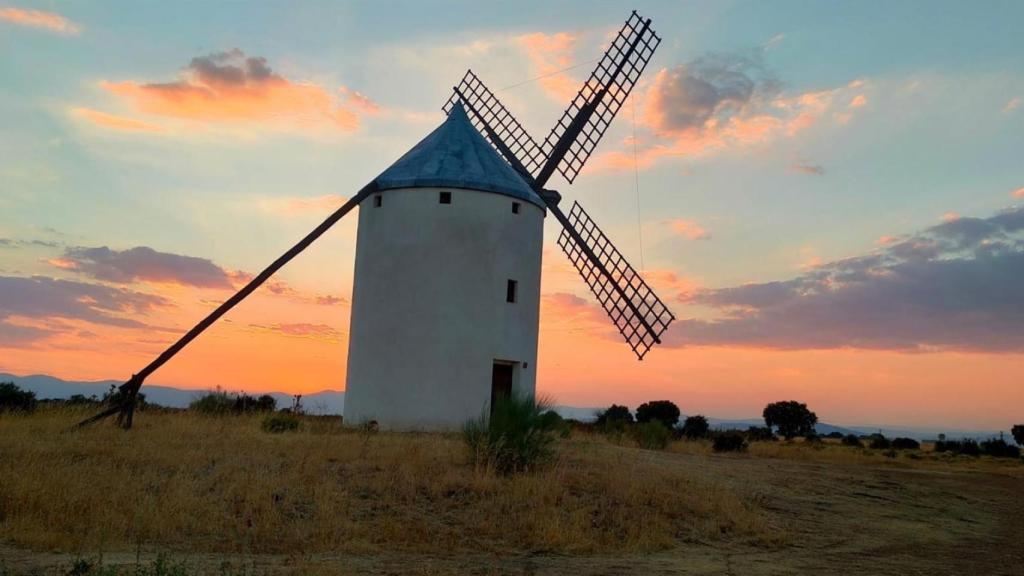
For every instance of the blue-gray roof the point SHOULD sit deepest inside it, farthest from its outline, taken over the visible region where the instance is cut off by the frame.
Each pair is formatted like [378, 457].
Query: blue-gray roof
[455, 155]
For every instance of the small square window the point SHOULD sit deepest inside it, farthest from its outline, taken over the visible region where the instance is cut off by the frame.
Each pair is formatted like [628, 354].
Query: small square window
[510, 291]
[377, 201]
[515, 207]
[445, 198]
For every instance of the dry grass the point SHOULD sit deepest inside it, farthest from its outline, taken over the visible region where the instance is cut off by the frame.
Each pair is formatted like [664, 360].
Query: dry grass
[832, 451]
[184, 482]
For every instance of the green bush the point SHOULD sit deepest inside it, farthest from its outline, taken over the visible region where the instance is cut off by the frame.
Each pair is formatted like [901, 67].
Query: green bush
[281, 422]
[651, 435]
[759, 434]
[512, 438]
[851, 440]
[665, 411]
[219, 403]
[729, 442]
[905, 444]
[879, 442]
[554, 422]
[14, 399]
[999, 448]
[216, 403]
[614, 415]
[694, 427]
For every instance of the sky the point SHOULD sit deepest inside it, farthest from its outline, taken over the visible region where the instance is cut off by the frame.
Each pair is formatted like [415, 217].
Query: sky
[829, 196]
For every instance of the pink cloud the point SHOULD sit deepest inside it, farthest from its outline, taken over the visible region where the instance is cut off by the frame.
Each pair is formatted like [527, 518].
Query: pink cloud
[1018, 193]
[115, 122]
[232, 88]
[719, 103]
[688, 229]
[550, 53]
[39, 19]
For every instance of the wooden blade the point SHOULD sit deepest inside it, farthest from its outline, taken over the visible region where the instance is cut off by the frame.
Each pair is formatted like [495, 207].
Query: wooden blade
[637, 312]
[574, 137]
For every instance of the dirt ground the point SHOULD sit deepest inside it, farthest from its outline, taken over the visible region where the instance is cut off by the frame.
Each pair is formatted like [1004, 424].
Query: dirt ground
[834, 517]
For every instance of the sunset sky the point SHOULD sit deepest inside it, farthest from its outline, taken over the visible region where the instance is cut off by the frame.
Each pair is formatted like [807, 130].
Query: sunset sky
[829, 196]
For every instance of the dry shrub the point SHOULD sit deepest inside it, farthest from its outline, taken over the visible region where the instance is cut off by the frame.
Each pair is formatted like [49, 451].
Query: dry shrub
[183, 482]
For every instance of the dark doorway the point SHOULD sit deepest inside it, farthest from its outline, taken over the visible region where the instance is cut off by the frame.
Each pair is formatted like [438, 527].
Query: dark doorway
[501, 383]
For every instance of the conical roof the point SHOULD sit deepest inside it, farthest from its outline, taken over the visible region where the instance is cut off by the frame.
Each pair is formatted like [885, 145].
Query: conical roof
[455, 155]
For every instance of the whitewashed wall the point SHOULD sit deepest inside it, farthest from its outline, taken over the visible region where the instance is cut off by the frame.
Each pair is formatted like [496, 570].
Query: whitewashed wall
[429, 315]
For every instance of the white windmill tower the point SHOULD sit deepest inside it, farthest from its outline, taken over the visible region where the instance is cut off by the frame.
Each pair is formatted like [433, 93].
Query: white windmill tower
[447, 280]
[447, 285]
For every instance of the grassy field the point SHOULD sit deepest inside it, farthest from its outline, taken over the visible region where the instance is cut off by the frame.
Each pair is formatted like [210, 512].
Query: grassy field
[217, 495]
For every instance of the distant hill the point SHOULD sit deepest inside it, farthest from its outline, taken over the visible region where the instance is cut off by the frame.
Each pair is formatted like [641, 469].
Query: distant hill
[324, 402]
[333, 402]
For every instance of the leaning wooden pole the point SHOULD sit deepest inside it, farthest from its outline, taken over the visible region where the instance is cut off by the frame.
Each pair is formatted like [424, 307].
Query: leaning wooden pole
[125, 407]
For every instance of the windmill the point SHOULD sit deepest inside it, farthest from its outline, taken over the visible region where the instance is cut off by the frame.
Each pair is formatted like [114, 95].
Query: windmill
[426, 325]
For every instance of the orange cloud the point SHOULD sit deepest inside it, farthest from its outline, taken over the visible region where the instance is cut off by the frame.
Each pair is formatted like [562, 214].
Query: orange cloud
[231, 88]
[39, 19]
[550, 53]
[1018, 193]
[115, 122]
[717, 104]
[688, 229]
[301, 205]
[1012, 105]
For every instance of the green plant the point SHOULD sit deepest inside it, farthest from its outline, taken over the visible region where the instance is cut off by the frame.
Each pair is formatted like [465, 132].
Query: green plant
[879, 442]
[905, 444]
[651, 435]
[851, 440]
[792, 418]
[1018, 434]
[759, 434]
[512, 438]
[663, 411]
[280, 422]
[214, 403]
[999, 448]
[695, 427]
[614, 415]
[14, 399]
[729, 442]
[554, 422]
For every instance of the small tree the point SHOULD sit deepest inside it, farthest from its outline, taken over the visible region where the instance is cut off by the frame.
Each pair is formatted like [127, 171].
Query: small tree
[695, 427]
[792, 418]
[14, 399]
[664, 411]
[1018, 434]
[614, 415]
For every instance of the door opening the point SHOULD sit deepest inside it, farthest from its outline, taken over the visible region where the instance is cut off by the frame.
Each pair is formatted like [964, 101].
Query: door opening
[501, 382]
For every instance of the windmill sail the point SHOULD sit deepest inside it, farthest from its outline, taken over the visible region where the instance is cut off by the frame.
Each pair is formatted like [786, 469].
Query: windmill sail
[637, 312]
[577, 132]
[489, 112]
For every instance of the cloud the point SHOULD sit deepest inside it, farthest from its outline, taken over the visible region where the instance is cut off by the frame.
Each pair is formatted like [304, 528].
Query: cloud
[688, 97]
[808, 168]
[39, 19]
[301, 330]
[115, 122]
[291, 205]
[1018, 193]
[550, 54]
[1012, 105]
[41, 297]
[233, 88]
[958, 285]
[688, 229]
[720, 102]
[144, 264]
